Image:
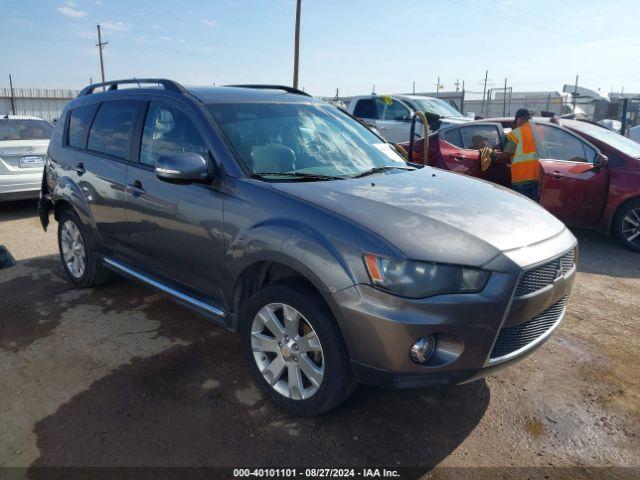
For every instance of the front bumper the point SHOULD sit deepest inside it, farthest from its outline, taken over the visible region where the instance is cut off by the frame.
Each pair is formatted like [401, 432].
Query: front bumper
[380, 328]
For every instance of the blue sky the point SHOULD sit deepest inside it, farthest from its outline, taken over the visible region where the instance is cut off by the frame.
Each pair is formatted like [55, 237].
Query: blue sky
[350, 44]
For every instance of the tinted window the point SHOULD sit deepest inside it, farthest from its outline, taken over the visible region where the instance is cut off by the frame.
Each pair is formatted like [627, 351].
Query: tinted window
[479, 136]
[365, 109]
[25, 129]
[561, 145]
[112, 128]
[391, 110]
[79, 120]
[454, 137]
[168, 130]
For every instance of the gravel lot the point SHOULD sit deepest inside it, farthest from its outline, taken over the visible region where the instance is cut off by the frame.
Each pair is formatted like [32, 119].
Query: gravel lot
[122, 376]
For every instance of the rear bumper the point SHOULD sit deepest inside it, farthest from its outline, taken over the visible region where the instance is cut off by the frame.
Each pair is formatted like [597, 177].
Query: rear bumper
[23, 185]
[470, 330]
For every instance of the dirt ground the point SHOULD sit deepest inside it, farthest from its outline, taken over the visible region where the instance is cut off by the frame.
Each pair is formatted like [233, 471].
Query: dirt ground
[122, 376]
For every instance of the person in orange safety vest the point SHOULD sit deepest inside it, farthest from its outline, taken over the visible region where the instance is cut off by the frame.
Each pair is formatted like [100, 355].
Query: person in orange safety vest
[521, 150]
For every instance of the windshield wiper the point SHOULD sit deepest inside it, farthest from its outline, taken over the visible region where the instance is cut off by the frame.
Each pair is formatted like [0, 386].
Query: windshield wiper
[373, 170]
[302, 175]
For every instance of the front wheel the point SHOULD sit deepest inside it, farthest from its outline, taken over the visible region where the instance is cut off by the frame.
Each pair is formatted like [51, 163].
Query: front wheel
[627, 225]
[294, 349]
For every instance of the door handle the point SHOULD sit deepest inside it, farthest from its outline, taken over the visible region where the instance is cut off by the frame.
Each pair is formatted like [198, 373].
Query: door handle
[135, 188]
[457, 156]
[79, 168]
[557, 175]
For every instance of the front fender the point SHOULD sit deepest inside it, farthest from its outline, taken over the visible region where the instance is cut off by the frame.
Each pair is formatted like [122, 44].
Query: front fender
[295, 245]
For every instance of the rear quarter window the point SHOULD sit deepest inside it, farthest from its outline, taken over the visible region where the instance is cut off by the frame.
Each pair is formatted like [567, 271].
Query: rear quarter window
[112, 129]
[79, 121]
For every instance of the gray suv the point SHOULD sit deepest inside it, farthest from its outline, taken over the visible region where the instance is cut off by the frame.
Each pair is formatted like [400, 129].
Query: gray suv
[283, 218]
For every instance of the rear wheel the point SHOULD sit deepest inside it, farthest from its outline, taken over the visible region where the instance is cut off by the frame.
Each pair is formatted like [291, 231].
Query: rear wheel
[294, 349]
[627, 225]
[78, 258]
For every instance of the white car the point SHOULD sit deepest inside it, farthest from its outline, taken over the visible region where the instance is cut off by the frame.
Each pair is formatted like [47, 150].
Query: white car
[391, 114]
[23, 145]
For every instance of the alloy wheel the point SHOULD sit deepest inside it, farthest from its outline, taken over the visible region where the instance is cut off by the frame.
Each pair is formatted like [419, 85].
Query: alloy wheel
[73, 251]
[287, 351]
[631, 226]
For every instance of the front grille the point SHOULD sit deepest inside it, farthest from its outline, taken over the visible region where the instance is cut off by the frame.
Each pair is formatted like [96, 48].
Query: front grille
[539, 277]
[513, 338]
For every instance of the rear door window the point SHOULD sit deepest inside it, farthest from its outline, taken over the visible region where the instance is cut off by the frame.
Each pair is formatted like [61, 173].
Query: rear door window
[476, 137]
[365, 108]
[453, 136]
[167, 130]
[79, 121]
[112, 129]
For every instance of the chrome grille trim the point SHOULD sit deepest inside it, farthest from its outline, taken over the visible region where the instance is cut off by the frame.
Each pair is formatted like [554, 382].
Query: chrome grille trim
[539, 277]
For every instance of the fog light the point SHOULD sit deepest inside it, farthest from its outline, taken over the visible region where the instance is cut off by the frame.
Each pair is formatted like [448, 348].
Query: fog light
[422, 350]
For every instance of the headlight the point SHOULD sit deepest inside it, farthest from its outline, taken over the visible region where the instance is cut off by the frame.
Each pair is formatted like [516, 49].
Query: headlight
[423, 279]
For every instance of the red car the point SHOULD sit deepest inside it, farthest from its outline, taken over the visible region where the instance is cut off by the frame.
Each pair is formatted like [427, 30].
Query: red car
[591, 175]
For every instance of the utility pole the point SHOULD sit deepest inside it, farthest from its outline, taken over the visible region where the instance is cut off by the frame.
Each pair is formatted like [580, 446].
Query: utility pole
[337, 94]
[100, 46]
[13, 100]
[504, 98]
[457, 84]
[296, 51]
[575, 95]
[414, 87]
[438, 86]
[484, 90]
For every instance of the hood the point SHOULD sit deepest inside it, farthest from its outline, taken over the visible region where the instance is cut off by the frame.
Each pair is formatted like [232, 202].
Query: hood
[434, 215]
[23, 147]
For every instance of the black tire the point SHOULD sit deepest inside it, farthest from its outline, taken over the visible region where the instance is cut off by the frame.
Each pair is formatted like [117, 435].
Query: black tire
[95, 273]
[621, 228]
[337, 383]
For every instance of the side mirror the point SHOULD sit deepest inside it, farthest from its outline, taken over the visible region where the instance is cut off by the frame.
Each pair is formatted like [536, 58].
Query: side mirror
[182, 167]
[600, 161]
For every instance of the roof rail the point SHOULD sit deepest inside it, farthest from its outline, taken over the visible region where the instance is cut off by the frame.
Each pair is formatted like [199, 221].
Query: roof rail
[113, 85]
[272, 87]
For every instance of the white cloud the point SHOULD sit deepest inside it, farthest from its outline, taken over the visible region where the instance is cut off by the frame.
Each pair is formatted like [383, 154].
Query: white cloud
[166, 38]
[87, 34]
[156, 27]
[209, 23]
[69, 9]
[141, 39]
[115, 26]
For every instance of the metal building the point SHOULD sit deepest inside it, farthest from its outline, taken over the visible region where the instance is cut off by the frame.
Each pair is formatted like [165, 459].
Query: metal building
[44, 103]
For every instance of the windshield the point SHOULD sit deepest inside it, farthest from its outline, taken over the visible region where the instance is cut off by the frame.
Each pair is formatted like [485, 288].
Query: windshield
[11, 129]
[437, 106]
[617, 141]
[304, 139]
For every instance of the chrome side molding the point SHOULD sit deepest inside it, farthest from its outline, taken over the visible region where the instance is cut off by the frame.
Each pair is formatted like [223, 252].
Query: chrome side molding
[164, 288]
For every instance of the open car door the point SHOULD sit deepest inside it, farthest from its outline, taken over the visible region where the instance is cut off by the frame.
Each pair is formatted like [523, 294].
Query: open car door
[457, 149]
[575, 179]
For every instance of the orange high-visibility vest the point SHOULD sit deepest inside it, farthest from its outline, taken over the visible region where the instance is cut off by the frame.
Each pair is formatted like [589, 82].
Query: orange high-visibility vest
[525, 165]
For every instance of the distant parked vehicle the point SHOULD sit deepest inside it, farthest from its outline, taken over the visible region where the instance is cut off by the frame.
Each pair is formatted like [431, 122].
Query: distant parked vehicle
[23, 145]
[282, 218]
[591, 175]
[391, 114]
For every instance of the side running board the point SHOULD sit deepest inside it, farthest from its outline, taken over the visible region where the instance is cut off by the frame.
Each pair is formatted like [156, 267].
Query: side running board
[180, 296]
